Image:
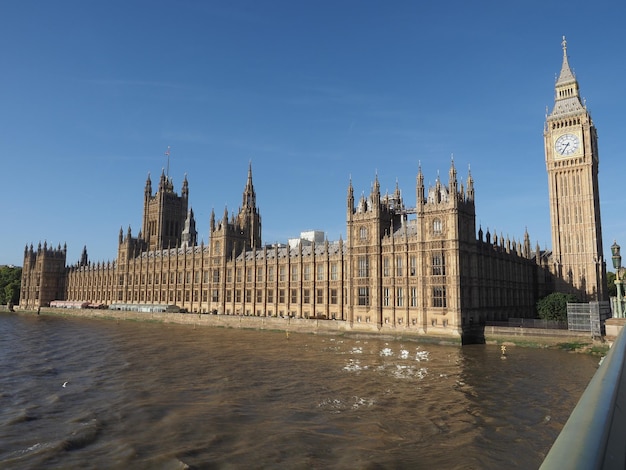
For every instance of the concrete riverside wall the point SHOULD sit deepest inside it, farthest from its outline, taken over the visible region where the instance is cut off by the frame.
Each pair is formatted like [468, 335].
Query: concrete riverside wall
[491, 333]
[301, 325]
[543, 333]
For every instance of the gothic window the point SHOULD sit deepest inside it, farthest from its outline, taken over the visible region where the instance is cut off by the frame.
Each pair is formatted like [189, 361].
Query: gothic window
[229, 297]
[437, 226]
[386, 268]
[249, 274]
[320, 272]
[259, 296]
[400, 297]
[282, 273]
[259, 274]
[270, 296]
[439, 268]
[281, 296]
[333, 272]
[215, 296]
[218, 248]
[307, 272]
[363, 267]
[238, 275]
[294, 274]
[399, 265]
[385, 297]
[363, 233]
[294, 296]
[413, 296]
[364, 296]
[320, 296]
[413, 265]
[229, 274]
[439, 296]
[248, 295]
[238, 295]
[333, 296]
[270, 273]
[216, 275]
[306, 296]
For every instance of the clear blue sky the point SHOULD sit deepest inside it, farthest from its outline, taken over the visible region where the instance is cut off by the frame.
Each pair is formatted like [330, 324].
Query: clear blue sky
[312, 93]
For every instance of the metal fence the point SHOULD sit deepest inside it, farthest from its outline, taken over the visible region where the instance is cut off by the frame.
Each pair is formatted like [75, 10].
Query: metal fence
[530, 323]
[588, 317]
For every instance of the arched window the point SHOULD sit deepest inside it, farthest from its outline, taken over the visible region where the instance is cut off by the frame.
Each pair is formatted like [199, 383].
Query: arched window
[437, 226]
[363, 233]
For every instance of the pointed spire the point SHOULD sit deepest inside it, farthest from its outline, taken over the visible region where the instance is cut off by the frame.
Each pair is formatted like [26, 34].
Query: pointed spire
[526, 249]
[249, 197]
[84, 259]
[189, 236]
[566, 93]
[350, 198]
[566, 75]
[420, 185]
[148, 190]
[185, 190]
[470, 185]
[452, 181]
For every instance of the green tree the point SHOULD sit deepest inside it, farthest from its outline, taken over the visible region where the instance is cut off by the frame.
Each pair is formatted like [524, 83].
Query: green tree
[610, 281]
[10, 282]
[554, 306]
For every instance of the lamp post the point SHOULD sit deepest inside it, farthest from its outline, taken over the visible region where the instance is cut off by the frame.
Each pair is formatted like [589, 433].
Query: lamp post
[617, 264]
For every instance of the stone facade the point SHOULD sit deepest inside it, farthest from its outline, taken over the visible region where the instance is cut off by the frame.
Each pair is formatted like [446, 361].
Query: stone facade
[571, 145]
[420, 267]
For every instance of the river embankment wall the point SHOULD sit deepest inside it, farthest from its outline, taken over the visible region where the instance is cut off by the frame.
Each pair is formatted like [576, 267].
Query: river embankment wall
[492, 334]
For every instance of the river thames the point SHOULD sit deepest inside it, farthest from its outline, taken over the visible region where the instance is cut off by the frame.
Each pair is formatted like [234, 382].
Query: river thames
[93, 393]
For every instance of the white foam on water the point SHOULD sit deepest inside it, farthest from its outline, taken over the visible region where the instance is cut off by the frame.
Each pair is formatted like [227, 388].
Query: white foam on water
[421, 356]
[354, 365]
[386, 352]
[361, 401]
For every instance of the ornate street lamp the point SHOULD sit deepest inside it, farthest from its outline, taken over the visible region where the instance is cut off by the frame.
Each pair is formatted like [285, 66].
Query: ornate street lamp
[617, 265]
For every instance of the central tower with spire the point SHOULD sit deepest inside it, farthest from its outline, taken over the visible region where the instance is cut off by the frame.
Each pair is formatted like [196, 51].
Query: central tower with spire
[571, 151]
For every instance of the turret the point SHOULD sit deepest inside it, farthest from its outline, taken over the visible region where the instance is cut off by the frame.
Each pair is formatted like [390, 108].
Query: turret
[420, 187]
[452, 181]
[148, 188]
[470, 187]
[84, 259]
[350, 199]
[185, 190]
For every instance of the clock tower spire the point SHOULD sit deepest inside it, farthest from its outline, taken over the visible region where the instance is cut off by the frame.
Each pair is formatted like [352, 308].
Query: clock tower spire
[571, 151]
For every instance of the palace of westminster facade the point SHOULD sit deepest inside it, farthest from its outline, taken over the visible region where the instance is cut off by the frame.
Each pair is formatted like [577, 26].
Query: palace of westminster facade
[423, 268]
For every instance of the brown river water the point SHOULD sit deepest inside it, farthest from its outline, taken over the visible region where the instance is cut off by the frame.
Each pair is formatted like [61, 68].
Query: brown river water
[163, 396]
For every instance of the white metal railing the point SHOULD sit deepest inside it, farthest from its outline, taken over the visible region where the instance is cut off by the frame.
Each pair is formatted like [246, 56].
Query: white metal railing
[594, 436]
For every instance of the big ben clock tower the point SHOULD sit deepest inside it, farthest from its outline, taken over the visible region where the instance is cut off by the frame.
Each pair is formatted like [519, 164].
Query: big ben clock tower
[571, 146]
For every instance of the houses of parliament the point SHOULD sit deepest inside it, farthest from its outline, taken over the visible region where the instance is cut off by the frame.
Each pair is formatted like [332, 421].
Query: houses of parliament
[420, 265]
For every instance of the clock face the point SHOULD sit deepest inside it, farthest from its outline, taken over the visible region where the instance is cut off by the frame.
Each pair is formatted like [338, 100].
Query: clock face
[567, 144]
